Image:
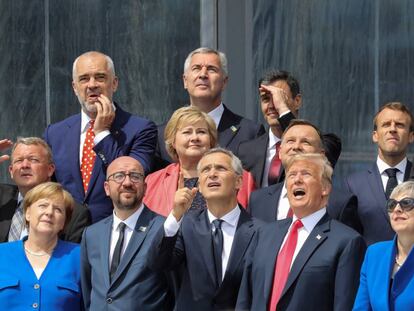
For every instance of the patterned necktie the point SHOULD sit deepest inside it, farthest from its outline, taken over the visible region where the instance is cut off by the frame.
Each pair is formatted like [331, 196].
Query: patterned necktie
[218, 248]
[392, 181]
[88, 156]
[283, 263]
[17, 224]
[275, 165]
[116, 257]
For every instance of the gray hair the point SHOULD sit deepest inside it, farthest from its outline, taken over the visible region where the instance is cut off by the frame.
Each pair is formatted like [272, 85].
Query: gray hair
[28, 141]
[206, 50]
[317, 158]
[235, 161]
[109, 62]
[406, 187]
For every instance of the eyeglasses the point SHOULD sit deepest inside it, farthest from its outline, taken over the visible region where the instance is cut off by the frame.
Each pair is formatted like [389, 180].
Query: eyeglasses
[119, 177]
[406, 204]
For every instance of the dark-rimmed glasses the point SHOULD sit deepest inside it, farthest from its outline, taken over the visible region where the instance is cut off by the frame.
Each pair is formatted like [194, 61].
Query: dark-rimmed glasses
[406, 204]
[119, 177]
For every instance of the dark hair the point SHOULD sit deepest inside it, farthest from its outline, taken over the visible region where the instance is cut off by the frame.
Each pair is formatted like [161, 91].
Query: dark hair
[275, 75]
[397, 106]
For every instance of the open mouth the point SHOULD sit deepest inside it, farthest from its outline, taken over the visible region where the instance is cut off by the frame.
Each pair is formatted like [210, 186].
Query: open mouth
[299, 193]
[213, 184]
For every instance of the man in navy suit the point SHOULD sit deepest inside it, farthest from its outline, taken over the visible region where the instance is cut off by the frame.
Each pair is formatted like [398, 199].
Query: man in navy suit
[205, 78]
[271, 203]
[393, 132]
[309, 261]
[210, 243]
[114, 274]
[101, 126]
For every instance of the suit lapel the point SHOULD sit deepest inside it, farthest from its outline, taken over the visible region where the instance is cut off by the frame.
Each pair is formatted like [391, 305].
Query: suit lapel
[106, 238]
[204, 239]
[377, 189]
[6, 214]
[275, 193]
[72, 157]
[261, 150]
[226, 128]
[407, 171]
[318, 235]
[142, 228]
[273, 244]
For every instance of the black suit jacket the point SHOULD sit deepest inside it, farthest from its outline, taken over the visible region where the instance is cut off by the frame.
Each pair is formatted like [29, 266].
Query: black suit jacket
[368, 188]
[193, 246]
[232, 130]
[81, 217]
[324, 275]
[342, 205]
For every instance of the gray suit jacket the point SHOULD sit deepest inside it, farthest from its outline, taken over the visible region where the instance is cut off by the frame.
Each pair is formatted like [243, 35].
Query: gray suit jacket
[134, 286]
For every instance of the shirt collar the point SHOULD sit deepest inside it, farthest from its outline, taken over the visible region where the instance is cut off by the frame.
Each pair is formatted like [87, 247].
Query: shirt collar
[382, 166]
[231, 218]
[216, 114]
[309, 222]
[19, 198]
[273, 140]
[131, 221]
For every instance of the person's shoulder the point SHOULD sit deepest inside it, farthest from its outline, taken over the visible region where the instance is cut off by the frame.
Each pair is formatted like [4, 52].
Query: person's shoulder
[69, 246]
[9, 246]
[153, 177]
[133, 118]
[343, 230]
[380, 247]
[97, 227]
[65, 122]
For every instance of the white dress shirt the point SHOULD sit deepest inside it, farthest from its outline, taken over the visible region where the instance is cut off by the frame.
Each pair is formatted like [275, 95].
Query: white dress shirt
[216, 114]
[284, 205]
[309, 222]
[228, 226]
[270, 153]
[382, 166]
[130, 223]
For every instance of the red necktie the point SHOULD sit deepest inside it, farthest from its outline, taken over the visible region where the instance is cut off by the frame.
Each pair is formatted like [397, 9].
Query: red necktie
[283, 263]
[88, 156]
[274, 169]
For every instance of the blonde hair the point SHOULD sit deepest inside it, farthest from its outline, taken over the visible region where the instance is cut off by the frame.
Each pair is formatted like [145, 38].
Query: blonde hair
[187, 115]
[50, 190]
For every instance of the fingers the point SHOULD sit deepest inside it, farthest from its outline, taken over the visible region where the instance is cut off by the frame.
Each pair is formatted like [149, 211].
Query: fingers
[5, 144]
[180, 181]
[4, 158]
[105, 114]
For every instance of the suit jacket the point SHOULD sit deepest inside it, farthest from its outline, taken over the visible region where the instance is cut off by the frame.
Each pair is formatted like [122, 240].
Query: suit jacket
[342, 205]
[58, 288]
[134, 286]
[193, 246]
[231, 130]
[130, 136]
[372, 213]
[81, 218]
[374, 288]
[324, 275]
[162, 185]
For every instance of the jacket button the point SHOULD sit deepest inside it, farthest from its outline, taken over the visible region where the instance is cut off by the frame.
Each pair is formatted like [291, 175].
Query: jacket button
[35, 305]
[36, 286]
[109, 300]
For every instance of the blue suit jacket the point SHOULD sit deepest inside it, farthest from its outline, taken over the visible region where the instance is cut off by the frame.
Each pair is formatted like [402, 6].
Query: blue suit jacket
[372, 213]
[134, 286]
[324, 275]
[130, 136]
[342, 205]
[376, 271]
[193, 246]
[59, 284]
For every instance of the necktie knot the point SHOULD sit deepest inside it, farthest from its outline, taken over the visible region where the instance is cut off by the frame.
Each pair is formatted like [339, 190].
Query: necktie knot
[217, 223]
[392, 172]
[297, 224]
[121, 227]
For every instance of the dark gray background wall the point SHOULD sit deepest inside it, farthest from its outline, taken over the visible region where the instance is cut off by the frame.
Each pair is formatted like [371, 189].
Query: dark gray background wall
[350, 56]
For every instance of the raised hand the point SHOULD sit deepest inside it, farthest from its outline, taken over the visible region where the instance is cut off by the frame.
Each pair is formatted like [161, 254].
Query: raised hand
[278, 96]
[183, 198]
[4, 145]
[105, 114]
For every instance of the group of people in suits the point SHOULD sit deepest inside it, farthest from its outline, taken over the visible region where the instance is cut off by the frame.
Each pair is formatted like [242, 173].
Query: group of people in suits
[216, 245]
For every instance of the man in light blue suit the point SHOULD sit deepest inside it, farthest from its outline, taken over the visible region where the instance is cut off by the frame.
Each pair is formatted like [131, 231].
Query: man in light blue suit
[114, 251]
[111, 132]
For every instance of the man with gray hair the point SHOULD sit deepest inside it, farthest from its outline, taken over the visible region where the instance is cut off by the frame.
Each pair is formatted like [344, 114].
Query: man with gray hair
[210, 243]
[205, 77]
[32, 164]
[83, 145]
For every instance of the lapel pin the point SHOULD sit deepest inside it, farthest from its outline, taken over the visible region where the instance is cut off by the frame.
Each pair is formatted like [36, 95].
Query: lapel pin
[142, 229]
[318, 237]
[233, 128]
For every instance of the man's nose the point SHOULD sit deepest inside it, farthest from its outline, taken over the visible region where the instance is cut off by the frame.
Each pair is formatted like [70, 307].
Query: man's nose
[92, 83]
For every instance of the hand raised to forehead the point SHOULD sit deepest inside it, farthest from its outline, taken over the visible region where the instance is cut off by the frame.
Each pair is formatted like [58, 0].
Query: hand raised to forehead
[279, 97]
[183, 198]
[4, 145]
[105, 114]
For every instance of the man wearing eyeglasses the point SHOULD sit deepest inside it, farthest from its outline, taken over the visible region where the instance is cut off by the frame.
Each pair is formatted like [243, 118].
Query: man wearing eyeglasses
[114, 275]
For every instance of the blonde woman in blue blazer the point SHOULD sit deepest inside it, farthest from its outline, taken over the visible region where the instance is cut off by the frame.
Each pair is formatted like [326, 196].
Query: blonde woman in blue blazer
[42, 272]
[387, 274]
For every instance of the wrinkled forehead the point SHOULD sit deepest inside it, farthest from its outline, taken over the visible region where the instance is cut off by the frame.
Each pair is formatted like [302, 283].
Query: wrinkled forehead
[215, 159]
[302, 132]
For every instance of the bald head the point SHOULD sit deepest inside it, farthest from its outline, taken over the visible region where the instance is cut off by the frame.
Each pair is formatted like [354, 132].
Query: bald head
[124, 163]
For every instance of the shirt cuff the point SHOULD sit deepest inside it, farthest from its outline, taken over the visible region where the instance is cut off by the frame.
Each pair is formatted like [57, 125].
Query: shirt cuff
[285, 113]
[99, 137]
[171, 225]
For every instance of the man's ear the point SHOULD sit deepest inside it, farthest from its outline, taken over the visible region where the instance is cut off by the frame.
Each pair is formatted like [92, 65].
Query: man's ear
[375, 136]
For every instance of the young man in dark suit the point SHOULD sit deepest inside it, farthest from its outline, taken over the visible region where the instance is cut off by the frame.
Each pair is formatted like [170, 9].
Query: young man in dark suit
[393, 133]
[309, 261]
[211, 244]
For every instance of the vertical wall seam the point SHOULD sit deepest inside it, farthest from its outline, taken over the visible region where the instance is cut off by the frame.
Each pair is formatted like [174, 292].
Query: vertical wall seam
[47, 64]
[376, 57]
